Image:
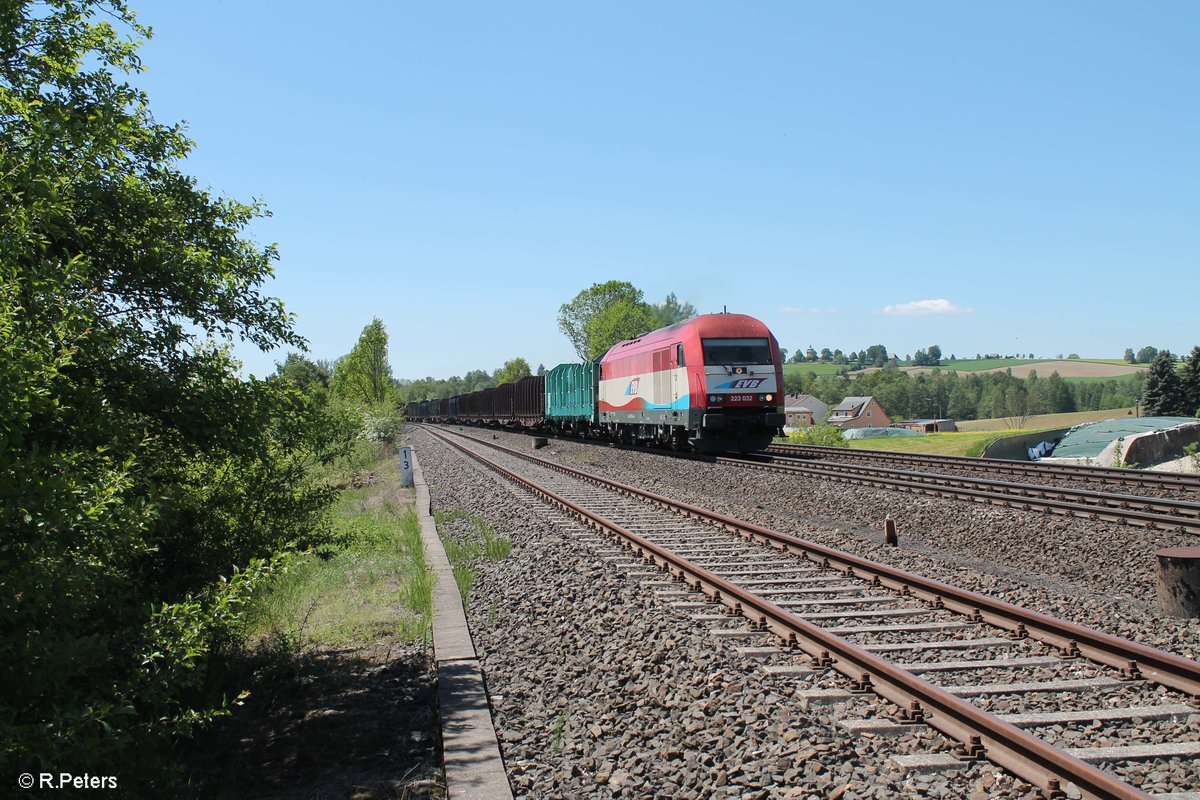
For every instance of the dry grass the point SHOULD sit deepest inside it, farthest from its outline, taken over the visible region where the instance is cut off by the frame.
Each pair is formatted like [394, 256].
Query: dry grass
[1045, 421]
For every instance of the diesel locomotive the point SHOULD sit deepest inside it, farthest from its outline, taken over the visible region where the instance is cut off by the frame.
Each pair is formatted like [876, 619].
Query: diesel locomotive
[713, 383]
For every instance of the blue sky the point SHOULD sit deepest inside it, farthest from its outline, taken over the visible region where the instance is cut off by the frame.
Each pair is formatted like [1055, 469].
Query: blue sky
[1012, 177]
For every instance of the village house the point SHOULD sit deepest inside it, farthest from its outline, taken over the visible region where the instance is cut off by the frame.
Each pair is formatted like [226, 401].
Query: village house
[802, 410]
[859, 412]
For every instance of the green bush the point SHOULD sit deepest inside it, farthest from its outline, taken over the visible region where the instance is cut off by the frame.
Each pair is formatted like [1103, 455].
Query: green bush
[381, 422]
[822, 435]
[146, 490]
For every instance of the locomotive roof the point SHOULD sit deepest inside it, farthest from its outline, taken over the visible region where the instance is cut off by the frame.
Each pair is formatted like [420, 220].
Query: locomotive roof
[704, 326]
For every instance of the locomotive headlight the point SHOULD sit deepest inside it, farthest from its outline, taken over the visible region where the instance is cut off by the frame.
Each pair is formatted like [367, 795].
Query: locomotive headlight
[770, 397]
[712, 398]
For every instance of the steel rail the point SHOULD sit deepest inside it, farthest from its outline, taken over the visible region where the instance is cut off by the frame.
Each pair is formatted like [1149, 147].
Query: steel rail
[1159, 666]
[1084, 503]
[980, 734]
[1089, 474]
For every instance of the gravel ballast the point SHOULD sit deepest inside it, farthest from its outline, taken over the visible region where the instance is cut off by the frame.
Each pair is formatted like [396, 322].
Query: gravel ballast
[602, 689]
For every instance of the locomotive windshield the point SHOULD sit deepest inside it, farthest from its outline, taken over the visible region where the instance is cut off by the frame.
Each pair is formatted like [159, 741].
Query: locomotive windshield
[732, 352]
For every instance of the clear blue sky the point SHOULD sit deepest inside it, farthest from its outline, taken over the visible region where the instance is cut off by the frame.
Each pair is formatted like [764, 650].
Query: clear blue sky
[462, 169]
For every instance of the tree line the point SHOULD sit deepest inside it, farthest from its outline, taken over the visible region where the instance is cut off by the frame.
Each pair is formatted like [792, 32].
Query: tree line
[593, 321]
[1168, 388]
[345, 380]
[967, 396]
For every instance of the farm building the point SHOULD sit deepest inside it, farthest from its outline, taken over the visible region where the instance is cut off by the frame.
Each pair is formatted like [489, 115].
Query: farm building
[928, 425]
[859, 412]
[802, 410]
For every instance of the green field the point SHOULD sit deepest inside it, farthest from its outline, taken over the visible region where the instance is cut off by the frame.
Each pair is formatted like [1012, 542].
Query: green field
[942, 444]
[975, 365]
[814, 367]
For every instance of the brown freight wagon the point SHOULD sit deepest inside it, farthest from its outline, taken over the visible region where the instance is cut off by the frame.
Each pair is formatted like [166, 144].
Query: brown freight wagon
[487, 405]
[468, 407]
[505, 394]
[529, 407]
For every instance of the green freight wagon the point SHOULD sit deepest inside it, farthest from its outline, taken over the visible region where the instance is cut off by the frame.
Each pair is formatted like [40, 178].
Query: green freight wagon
[571, 395]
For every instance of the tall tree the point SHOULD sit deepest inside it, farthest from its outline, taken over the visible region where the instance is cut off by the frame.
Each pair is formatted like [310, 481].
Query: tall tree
[670, 311]
[1144, 356]
[306, 374]
[364, 374]
[876, 355]
[1191, 383]
[512, 371]
[1163, 395]
[935, 355]
[1129, 355]
[622, 320]
[604, 314]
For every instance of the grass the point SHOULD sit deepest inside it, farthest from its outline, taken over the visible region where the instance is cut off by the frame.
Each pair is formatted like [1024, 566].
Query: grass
[370, 584]
[817, 368]
[465, 552]
[977, 364]
[1045, 421]
[943, 444]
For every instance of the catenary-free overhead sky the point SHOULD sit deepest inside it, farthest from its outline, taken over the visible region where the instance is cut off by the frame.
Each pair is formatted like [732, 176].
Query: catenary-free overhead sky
[991, 177]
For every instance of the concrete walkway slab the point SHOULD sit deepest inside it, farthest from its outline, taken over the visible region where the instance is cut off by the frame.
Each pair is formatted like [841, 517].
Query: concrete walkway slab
[470, 751]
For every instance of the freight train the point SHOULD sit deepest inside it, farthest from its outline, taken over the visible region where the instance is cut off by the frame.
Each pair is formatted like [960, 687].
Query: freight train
[712, 384]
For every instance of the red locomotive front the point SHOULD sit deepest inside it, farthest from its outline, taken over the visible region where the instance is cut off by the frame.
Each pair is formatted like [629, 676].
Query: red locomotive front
[714, 382]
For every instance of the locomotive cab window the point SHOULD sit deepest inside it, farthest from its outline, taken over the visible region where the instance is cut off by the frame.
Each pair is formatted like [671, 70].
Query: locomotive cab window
[731, 352]
[679, 362]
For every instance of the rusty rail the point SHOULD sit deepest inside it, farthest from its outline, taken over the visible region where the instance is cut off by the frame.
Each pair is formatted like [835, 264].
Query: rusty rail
[1087, 474]
[1182, 516]
[981, 735]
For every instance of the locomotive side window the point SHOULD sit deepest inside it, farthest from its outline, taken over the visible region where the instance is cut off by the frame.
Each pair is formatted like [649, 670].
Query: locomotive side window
[679, 362]
[731, 352]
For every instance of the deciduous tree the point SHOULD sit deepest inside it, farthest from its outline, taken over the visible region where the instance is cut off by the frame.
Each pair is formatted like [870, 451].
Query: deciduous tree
[364, 374]
[512, 371]
[136, 466]
[604, 314]
[670, 311]
[306, 374]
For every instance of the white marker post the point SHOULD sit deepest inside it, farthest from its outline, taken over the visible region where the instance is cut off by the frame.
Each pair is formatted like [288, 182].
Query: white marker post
[406, 470]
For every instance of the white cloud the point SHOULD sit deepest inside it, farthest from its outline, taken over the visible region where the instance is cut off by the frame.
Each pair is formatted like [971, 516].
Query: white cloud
[939, 306]
[798, 310]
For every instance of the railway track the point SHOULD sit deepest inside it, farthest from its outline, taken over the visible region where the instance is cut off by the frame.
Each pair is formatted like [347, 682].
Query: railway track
[1126, 480]
[1167, 514]
[1058, 693]
[1162, 513]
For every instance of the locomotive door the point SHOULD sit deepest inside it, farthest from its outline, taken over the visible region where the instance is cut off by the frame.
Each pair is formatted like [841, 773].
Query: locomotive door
[678, 375]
